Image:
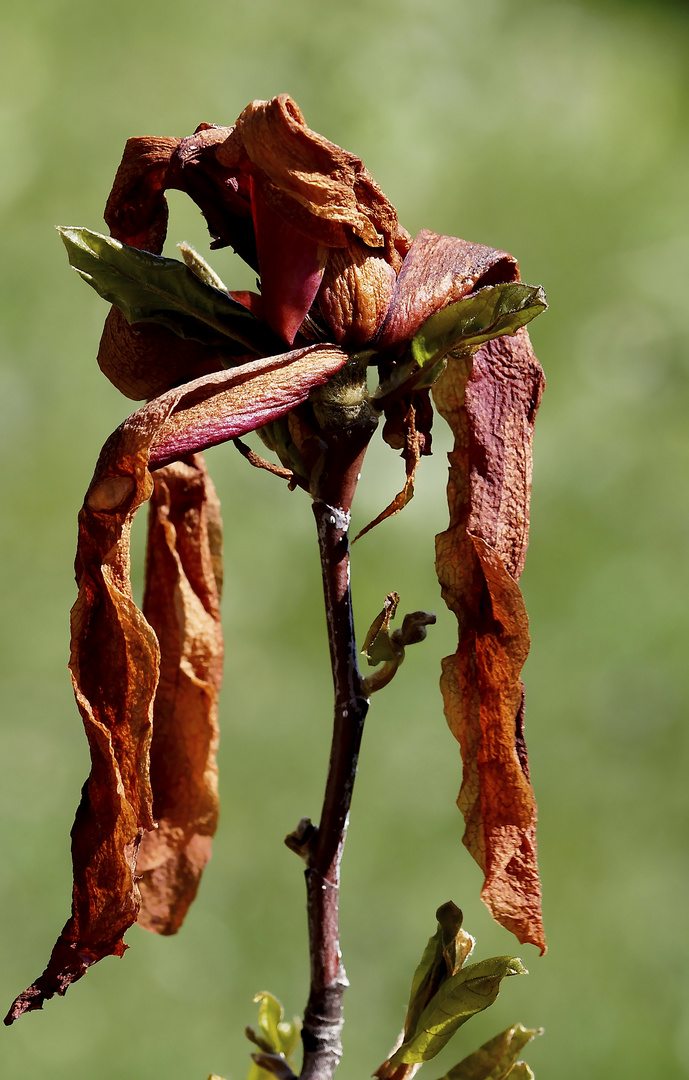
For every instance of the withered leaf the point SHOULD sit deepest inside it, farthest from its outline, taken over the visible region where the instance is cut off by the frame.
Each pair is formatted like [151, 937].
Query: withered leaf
[416, 442]
[490, 405]
[115, 657]
[181, 603]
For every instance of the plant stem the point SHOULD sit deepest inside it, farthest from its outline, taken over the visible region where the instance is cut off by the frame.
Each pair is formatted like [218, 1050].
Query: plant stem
[323, 1015]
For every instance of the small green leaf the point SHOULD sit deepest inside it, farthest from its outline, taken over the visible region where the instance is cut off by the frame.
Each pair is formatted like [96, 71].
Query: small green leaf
[149, 288]
[277, 1040]
[198, 265]
[289, 1036]
[487, 314]
[270, 1013]
[443, 957]
[468, 992]
[497, 1058]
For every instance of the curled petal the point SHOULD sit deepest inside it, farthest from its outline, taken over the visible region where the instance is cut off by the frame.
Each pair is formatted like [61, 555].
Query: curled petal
[355, 293]
[440, 270]
[136, 211]
[221, 194]
[115, 656]
[332, 184]
[143, 361]
[490, 405]
[219, 407]
[181, 603]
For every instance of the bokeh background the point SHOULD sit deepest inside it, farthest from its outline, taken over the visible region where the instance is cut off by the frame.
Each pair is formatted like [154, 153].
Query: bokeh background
[559, 131]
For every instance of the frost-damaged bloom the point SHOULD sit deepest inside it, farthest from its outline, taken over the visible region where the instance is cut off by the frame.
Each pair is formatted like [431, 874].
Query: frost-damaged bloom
[342, 289]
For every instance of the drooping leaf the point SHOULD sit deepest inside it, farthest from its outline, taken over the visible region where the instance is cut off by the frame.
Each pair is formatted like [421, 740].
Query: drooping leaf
[490, 404]
[491, 312]
[459, 998]
[115, 658]
[150, 288]
[497, 1058]
[181, 603]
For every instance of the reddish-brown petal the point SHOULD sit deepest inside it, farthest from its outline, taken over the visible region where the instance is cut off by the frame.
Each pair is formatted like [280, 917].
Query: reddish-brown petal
[491, 405]
[136, 211]
[221, 407]
[221, 194]
[355, 293]
[291, 267]
[330, 182]
[114, 665]
[181, 603]
[440, 270]
[115, 658]
[144, 360]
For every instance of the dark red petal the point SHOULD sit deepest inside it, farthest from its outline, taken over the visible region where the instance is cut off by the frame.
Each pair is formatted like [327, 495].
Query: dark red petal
[291, 267]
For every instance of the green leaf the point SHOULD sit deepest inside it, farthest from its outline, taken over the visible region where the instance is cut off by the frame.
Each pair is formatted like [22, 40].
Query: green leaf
[487, 314]
[468, 992]
[496, 1059]
[270, 1013]
[289, 1037]
[149, 288]
[277, 1039]
[198, 265]
[443, 957]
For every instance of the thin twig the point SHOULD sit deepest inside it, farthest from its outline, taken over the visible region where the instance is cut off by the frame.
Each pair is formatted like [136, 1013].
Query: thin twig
[323, 1016]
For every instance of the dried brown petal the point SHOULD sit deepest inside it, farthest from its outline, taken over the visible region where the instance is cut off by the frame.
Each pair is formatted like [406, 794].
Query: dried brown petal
[114, 665]
[479, 560]
[136, 211]
[115, 658]
[219, 407]
[355, 293]
[414, 442]
[272, 136]
[181, 603]
[143, 361]
[440, 270]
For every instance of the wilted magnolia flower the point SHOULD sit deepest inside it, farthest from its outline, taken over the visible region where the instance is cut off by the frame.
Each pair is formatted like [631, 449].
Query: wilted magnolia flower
[343, 289]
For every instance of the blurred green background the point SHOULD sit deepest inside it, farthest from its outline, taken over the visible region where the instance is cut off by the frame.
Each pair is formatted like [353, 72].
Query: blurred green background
[559, 131]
